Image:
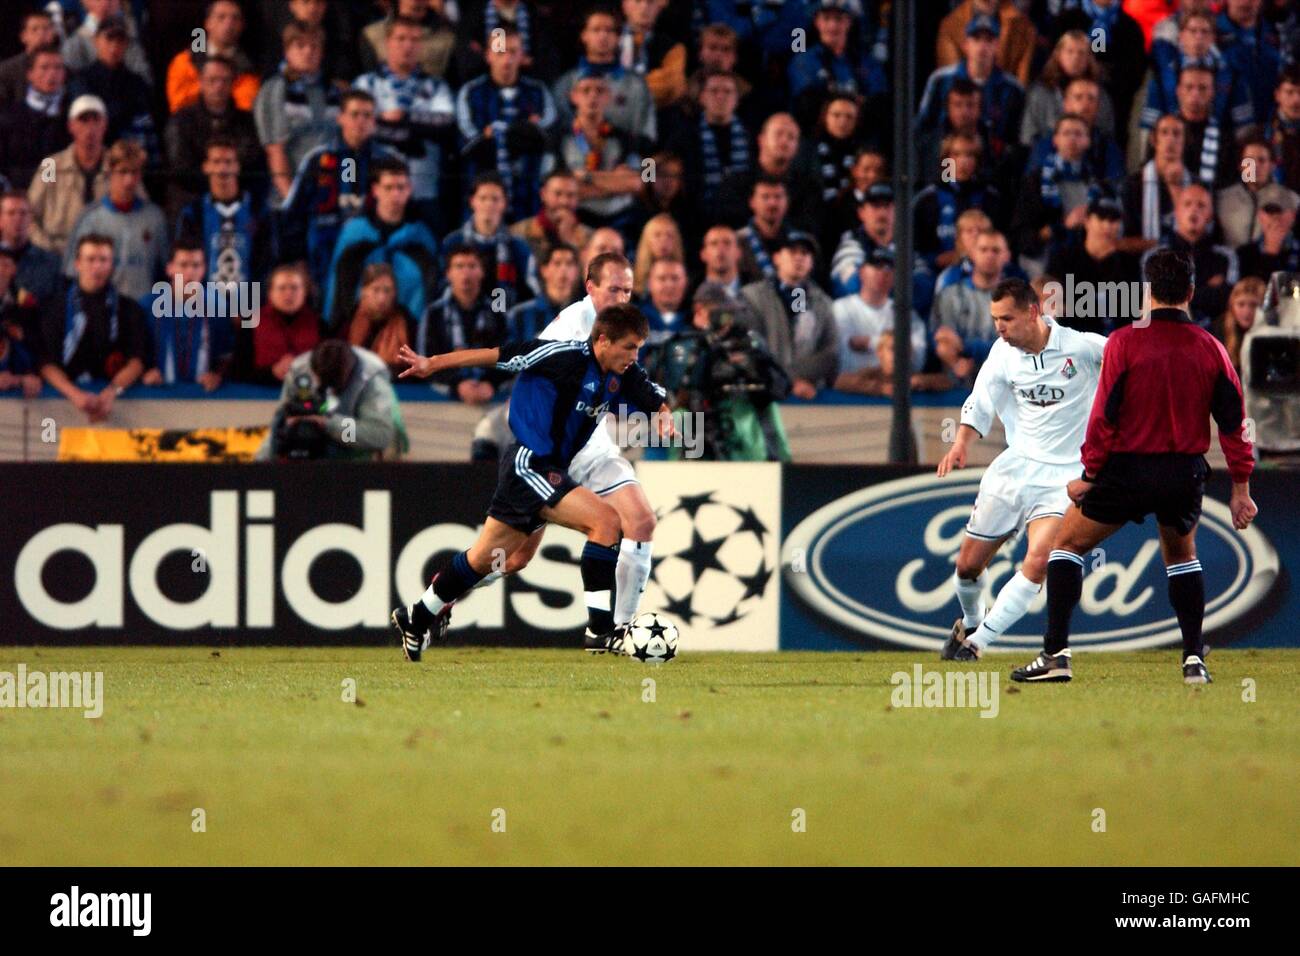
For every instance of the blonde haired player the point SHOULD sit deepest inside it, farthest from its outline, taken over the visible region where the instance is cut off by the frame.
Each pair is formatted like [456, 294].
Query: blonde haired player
[1039, 379]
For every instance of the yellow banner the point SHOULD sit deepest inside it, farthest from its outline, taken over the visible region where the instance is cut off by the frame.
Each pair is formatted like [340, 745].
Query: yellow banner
[160, 444]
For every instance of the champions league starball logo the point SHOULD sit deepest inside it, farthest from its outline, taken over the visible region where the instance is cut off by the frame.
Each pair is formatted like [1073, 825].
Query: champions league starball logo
[710, 561]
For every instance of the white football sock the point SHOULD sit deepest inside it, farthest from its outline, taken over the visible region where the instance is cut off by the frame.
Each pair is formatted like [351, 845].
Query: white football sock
[492, 577]
[630, 575]
[432, 601]
[970, 593]
[1011, 604]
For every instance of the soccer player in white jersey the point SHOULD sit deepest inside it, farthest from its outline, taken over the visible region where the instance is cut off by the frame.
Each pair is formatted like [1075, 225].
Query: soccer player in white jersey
[599, 466]
[1039, 379]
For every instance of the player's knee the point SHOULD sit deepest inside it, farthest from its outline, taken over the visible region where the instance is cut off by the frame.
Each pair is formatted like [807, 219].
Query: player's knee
[1034, 567]
[639, 526]
[968, 569]
[605, 525]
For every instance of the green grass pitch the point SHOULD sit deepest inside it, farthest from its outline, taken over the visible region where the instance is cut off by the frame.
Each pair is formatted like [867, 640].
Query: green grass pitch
[711, 772]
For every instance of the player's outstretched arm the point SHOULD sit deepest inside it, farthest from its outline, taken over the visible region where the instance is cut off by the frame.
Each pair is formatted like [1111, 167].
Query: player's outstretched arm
[956, 457]
[422, 366]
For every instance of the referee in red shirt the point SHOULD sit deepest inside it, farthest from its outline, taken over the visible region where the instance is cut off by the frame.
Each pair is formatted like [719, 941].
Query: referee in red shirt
[1161, 382]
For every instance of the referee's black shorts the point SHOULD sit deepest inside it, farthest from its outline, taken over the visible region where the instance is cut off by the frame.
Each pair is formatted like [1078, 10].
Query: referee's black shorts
[1131, 486]
[525, 485]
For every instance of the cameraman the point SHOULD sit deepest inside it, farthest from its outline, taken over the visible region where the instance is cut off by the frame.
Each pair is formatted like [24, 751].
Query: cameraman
[722, 372]
[1270, 368]
[337, 402]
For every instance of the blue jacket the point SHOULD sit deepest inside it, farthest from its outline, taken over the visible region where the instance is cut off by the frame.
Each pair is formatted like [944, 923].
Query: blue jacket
[1002, 100]
[408, 247]
[328, 189]
[1256, 56]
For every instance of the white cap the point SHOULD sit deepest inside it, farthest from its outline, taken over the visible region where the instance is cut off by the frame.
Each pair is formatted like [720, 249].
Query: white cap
[87, 104]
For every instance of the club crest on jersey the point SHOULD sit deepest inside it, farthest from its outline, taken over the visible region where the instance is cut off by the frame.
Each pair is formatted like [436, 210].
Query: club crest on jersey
[613, 384]
[554, 478]
[1068, 370]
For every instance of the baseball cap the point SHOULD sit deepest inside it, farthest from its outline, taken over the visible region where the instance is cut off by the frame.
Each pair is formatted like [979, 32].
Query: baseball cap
[983, 23]
[849, 7]
[711, 294]
[796, 237]
[86, 103]
[115, 24]
[879, 194]
[1278, 196]
[881, 256]
[1106, 207]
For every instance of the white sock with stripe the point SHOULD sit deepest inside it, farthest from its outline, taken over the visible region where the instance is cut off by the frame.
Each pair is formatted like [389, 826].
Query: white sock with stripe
[1011, 604]
[630, 574]
[970, 594]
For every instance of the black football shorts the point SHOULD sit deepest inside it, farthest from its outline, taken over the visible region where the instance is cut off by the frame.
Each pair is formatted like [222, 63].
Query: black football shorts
[525, 485]
[1132, 486]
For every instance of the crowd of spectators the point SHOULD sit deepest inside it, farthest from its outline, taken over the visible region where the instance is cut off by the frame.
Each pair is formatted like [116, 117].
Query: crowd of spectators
[437, 173]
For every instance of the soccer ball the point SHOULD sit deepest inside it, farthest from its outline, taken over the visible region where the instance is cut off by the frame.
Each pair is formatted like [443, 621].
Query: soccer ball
[652, 639]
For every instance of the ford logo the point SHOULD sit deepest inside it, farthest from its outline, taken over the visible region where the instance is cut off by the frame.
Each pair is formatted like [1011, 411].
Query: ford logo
[879, 562]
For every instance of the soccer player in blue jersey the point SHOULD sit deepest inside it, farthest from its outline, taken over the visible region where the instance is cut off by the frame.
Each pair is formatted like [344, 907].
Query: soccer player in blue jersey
[564, 390]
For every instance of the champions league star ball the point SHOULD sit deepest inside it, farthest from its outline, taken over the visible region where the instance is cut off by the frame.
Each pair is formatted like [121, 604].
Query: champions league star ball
[652, 639]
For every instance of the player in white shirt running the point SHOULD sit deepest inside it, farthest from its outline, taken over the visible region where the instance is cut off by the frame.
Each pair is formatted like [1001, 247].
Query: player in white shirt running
[1039, 379]
[599, 466]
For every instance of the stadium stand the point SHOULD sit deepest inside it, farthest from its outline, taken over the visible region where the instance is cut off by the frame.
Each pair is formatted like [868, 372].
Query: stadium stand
[1051, 136]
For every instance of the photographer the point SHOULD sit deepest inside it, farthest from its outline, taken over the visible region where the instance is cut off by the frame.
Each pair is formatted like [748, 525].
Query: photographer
[722, 372]
[337, 402]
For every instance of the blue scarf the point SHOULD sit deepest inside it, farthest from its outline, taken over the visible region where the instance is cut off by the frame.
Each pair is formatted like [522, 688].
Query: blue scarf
[183, 344]
[829, 78]
[47, 104]
[948, 213]
[630, 57]
[788, 294]
[405, 91]
[1056, 171]
[834, 174]
[508, 114]
[1102, 18]
[1276, 132]
[74, 320]
[506, 271]
[454, 321]
[297, 91]
[492, 20]
[611, 71]
[737, 161]
[1210, 143]
[764, 261]
[228, 238]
